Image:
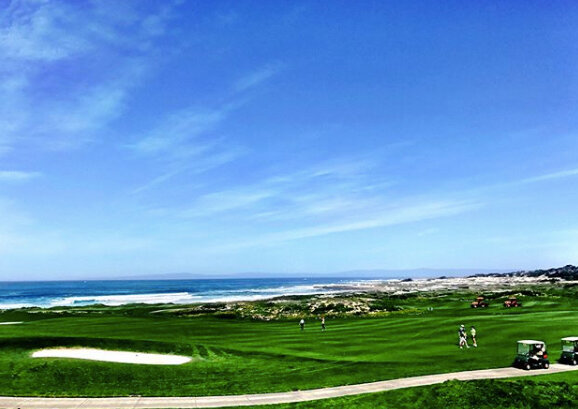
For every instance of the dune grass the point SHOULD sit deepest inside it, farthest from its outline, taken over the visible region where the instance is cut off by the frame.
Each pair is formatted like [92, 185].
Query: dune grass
[243, 356]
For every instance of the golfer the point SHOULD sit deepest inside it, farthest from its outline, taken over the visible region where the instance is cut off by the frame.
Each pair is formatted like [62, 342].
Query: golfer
[322, 323]
[302, 324]
[463, 337]
[537, 353]
[473, 335]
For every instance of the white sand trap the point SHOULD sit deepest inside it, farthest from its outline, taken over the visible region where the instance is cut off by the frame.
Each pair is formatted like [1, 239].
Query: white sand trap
[112, 356]
[11, 323]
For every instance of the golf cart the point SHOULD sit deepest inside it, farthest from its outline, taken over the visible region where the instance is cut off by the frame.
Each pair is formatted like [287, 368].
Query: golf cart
[569, 350]
[512, 302]
[479, 303]
[531, 354]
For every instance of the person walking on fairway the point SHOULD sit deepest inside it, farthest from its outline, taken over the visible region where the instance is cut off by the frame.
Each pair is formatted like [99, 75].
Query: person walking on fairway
[322, 323]
[302, 324]
[463, 337]
[473, 334]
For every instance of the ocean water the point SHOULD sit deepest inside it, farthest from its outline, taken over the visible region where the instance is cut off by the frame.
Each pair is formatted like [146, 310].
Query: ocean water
[79, 293]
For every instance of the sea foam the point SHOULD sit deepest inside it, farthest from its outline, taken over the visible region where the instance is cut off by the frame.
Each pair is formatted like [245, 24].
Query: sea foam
[115, 293]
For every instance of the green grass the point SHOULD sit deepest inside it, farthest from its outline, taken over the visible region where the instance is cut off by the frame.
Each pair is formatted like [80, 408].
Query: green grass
[235, 356]
[486, 394]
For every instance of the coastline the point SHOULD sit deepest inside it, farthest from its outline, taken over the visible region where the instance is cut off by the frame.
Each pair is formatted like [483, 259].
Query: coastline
[337, 287]
[178, 292]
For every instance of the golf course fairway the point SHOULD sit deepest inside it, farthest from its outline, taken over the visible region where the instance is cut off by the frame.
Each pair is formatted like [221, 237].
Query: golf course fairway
[243, 356]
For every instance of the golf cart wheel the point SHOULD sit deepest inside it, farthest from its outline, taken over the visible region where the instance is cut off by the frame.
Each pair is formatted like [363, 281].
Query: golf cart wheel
[527, 366]
[546, 365]
[573, 362]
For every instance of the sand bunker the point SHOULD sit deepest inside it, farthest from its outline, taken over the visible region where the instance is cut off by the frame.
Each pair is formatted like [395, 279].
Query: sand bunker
[11, 323]
[112, 356]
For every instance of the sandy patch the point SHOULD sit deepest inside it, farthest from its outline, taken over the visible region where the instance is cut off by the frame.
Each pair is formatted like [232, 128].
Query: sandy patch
[396, 286]
[112, 356]
[11, 323]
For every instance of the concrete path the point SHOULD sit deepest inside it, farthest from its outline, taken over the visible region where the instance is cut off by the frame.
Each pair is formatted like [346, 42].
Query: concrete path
[268, 398]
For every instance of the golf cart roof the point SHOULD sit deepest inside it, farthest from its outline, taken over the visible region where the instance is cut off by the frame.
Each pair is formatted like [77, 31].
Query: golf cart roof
[530, 342]
[571, 339]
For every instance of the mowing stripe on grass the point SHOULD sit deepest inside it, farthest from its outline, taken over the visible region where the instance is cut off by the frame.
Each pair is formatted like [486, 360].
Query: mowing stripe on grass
[270, 398]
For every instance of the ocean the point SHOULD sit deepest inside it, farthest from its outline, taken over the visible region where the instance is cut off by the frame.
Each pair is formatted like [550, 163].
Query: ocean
[117, 292]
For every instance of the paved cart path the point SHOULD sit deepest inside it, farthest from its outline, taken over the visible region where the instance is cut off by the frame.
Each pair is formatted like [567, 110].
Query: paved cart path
[269, 398]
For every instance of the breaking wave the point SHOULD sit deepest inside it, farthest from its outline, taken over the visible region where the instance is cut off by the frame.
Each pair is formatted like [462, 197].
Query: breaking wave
[175, 292]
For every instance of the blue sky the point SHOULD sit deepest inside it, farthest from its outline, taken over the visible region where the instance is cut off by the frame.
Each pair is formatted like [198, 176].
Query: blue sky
[151, 137]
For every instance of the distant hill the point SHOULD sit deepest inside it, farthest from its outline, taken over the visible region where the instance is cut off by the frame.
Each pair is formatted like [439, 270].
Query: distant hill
[568, 272]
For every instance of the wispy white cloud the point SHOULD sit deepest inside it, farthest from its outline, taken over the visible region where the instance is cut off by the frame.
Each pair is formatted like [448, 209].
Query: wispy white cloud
[49, 31]
[391, 216]
[552, 176]
[83, 118]
[325, 189]
[37, 37]
[491, 189]
[185, 142]
[40, 31]
[226, 201]
[180, 129]
[17, 176]
[331, 197]
[196, 165]
[256, 77]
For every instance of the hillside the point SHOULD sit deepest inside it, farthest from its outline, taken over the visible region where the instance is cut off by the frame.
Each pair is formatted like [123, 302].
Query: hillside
[568, 272]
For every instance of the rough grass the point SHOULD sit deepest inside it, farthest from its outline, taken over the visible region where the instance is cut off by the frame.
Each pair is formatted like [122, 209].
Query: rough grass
[245, 356]
[486, 394]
